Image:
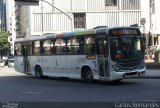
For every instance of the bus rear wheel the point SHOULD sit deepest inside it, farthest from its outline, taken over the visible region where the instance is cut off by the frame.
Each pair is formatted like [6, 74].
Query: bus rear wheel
[88, 76]
[38, 72]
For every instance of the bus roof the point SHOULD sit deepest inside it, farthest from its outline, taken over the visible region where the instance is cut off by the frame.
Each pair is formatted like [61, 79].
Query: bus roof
[70, 34]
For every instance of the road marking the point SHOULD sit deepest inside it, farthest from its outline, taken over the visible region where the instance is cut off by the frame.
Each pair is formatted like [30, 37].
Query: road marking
[31, 92]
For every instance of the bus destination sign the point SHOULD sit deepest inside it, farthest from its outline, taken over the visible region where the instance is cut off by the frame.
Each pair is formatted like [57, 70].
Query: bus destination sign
[124, 32]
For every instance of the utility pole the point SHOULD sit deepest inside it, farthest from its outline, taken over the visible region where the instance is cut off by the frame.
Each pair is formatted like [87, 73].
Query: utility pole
[42, 17]
[23, 26]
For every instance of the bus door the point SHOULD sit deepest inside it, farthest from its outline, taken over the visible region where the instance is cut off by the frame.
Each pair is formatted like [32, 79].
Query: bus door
[25, 58]
[102, 50]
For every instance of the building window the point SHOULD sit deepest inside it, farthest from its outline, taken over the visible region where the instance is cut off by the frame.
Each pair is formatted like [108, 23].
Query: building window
[79, 20]
[130, 4]
[111, 2]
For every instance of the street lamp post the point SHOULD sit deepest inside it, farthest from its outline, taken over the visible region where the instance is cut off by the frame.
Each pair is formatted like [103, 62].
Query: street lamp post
[23, 26]
[70, 17]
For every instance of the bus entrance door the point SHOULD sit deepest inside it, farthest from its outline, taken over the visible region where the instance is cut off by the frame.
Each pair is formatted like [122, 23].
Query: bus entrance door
[25, 58]
[102, 48]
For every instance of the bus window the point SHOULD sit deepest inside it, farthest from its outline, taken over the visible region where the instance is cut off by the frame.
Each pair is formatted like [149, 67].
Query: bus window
[72, 46]
[37, 48]
[60, 46]
[128, 49]
[30, 48]
[18, 49]
[81, 45]
[89, 45]
[47, 46]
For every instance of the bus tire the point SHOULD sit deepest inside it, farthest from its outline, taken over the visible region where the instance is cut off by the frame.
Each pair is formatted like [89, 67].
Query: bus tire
[38, 72]
[88, 76]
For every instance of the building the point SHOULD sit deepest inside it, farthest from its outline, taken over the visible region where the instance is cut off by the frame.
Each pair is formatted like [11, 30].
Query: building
[3, 21]
[22, 23]
[10, 23]
[86, 14]
[154, 29]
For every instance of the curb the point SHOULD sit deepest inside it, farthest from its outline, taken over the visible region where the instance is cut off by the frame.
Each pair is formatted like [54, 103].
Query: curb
[149, 77]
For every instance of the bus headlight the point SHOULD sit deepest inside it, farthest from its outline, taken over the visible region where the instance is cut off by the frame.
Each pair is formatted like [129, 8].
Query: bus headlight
[142, 66]
[116, 67]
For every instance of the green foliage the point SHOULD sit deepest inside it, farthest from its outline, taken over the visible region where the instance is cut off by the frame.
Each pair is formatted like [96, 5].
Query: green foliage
[4, 44]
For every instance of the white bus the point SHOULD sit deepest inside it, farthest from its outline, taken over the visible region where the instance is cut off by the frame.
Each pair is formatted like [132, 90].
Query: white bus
[97, 54]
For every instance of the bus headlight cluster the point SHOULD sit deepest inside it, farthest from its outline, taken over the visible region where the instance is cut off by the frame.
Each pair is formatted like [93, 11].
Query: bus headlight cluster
[141, 66]
[117, 68]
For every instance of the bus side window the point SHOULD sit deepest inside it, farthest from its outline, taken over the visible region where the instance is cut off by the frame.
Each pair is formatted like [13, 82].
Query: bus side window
[81, 45]
[53, 47]
[72, 45]
[60, 46]
[37, 49]
[89, 44]
[47, 47]
[30, 48]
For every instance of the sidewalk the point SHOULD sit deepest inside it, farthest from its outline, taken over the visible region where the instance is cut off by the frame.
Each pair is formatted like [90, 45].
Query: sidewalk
[5, 71]
[152, 70]
[150, 73]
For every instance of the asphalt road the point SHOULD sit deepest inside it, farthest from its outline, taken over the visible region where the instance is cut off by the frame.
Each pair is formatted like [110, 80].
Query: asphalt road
[16, 87]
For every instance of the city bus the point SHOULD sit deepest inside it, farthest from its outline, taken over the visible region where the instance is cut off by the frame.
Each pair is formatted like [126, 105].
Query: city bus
[109, 54]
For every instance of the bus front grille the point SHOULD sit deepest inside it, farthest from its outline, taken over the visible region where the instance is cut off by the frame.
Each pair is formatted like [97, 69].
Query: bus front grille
[130, 74]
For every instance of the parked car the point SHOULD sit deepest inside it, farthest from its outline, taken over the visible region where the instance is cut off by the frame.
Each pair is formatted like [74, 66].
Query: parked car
[1, 64]
[10, 62]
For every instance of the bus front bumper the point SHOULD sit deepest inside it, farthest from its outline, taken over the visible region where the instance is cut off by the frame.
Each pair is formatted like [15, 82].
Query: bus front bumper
[124, 75]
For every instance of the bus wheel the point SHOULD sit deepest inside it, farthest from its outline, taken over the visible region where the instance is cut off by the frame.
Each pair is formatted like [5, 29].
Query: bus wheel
[38, 72]
[88, 76]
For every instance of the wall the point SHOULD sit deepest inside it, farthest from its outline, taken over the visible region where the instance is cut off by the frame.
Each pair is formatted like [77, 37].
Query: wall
[145, 14]
[157, 16]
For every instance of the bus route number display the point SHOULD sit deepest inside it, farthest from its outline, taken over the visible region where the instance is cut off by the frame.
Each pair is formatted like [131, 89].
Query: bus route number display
[123, 32]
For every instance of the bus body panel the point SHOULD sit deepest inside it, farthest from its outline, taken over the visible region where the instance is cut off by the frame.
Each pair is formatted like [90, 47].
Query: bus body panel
[35, 61]
[19, 65]
[63, 66]
[74, 64]
[54, 64]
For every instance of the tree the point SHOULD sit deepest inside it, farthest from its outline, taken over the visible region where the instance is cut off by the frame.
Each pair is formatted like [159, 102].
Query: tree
[4, 44]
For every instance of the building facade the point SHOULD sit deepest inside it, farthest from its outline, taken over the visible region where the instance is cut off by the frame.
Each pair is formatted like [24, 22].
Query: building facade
[10, 23]
[3, 21]
[87, 14]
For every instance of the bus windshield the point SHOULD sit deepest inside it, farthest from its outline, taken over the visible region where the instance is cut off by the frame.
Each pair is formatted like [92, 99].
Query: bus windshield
[126, 49]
